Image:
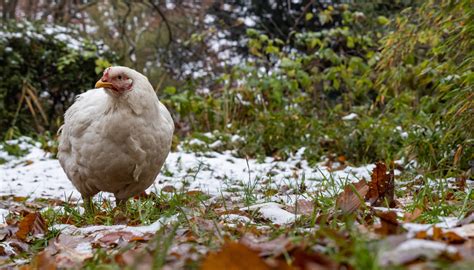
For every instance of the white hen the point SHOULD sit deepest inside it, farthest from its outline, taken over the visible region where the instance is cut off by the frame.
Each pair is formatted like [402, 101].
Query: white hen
[115, 138]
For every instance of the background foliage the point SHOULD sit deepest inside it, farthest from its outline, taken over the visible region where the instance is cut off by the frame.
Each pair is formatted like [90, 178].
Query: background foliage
[262, 83]
[43, 68]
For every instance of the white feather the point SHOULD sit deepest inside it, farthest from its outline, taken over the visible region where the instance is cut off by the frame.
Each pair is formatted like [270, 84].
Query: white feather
[116, 144]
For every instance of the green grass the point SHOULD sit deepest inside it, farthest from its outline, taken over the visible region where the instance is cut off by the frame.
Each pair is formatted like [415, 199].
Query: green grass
[199, 215]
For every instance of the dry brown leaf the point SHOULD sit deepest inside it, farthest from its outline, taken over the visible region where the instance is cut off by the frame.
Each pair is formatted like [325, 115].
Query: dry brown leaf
[206, 224]
[457, 155]
[410, 217]
[302, 207]
[306, 260]
[341, 159]
[381, 186]
[44, 261]
[451, 237]
[421, 235]
[32, 223]
[234, 256]
[437, 233]
[194, 193]
[267, 247]
[388, 223]
[349, 201]
[169, 189]
[134, 259]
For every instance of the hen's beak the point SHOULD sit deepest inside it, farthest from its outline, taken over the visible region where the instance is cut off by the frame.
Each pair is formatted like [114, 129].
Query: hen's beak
[101, 84]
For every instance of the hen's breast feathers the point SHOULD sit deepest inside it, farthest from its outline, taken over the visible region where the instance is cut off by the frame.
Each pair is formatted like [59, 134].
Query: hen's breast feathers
[103, 144]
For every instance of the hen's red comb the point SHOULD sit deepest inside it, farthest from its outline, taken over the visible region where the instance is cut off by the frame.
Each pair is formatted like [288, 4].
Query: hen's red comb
[105, 77]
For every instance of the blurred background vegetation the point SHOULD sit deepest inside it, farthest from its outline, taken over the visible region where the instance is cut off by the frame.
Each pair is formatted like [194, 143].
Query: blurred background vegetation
[358, 81]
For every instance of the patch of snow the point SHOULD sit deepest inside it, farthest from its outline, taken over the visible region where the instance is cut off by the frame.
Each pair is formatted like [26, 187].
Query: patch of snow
[235, 218]
[209, 19]
[196, 142]
[236, 138]
[38, 175]
[96, 231]
[465, 231]
[3, 215]
[413, 249]
[350, 117]
[84, 247]
[277, 215]
[226, 7]
[273, 212]
[216, 144]
[249, 21]
[413, 228]
[447, 222]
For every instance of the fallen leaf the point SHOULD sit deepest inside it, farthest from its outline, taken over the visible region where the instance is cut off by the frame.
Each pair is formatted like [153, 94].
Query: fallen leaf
[437, 233]
[312, 260]
[448, 236]
[388, 223]
[32, 223]
[206, 224]
[234, 256]
[169, 189]
[302, 207]
[266, 247]
[135, 259]
[194, 193]
[352, 197]
[19, 199]
[381, 186]
[121, 218]
[43, 260]
[410, 217]
[452, 238]
[457, 155]
[341, 159]
[415, 249]
[421, 235]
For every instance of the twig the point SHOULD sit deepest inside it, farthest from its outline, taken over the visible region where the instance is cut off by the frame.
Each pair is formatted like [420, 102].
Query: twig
[157, 8]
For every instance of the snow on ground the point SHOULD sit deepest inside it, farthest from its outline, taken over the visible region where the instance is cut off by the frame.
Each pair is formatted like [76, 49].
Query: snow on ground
[38, 175]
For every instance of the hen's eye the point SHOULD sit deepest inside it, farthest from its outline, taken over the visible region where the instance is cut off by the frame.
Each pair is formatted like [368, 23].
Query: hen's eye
[120, 77]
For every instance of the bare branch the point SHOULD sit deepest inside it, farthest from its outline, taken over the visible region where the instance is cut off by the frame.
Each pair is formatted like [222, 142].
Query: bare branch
[157, 8]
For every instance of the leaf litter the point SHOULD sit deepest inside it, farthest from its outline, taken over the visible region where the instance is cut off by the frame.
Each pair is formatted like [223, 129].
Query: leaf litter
[283, 227]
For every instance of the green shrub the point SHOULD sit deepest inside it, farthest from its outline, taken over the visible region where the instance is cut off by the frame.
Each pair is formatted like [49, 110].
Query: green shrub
[43, 67]
[430, 58]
